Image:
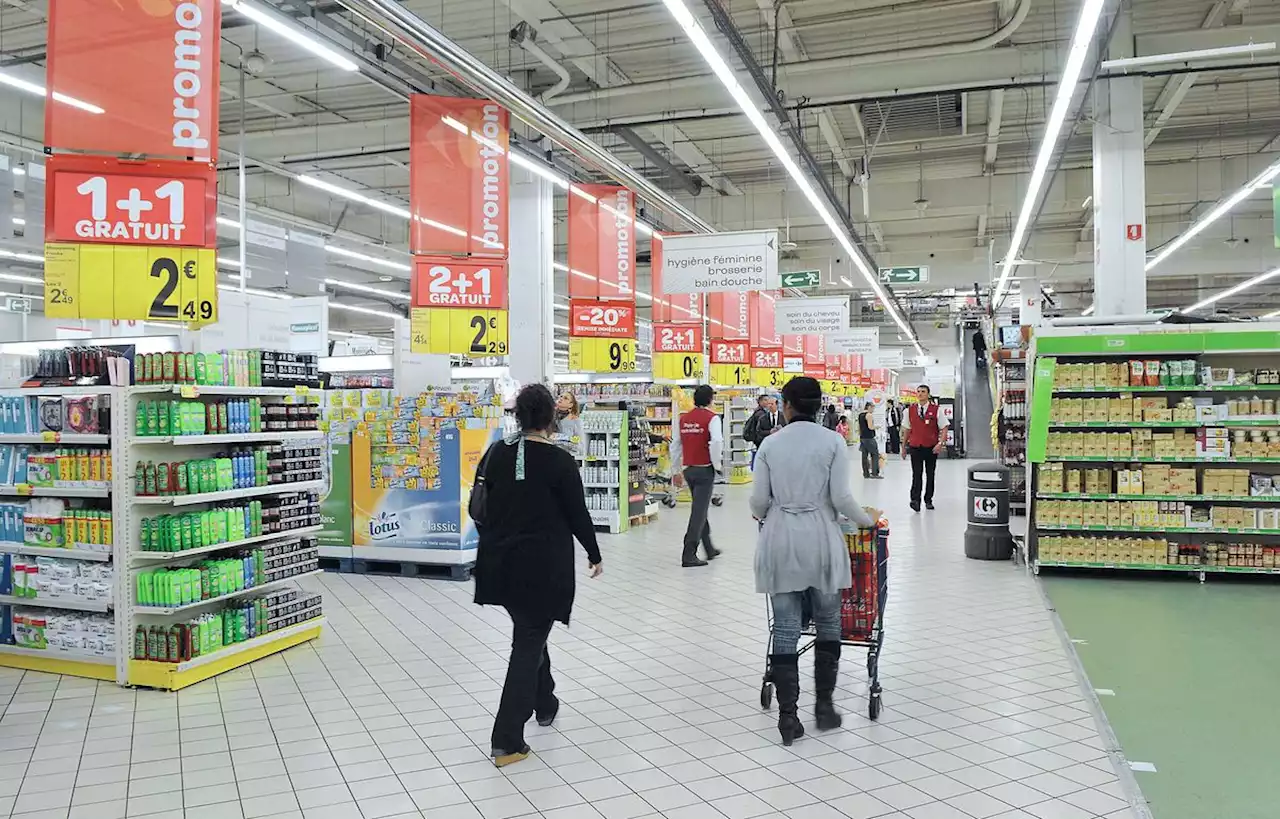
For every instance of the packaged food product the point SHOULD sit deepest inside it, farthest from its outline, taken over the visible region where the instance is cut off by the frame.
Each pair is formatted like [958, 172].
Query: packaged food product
[1151, 369]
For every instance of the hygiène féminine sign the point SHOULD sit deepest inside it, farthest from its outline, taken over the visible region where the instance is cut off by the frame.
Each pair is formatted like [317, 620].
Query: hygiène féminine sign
[717, 262]
[812, 316]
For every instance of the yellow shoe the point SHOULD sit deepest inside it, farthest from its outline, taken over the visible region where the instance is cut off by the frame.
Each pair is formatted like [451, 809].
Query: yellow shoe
[502, 759]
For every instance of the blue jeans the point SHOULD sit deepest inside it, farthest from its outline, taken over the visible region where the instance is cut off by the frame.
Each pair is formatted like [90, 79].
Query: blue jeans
[788, 611]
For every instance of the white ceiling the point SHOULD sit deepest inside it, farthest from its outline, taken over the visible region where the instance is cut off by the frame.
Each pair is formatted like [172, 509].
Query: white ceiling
[940, 100]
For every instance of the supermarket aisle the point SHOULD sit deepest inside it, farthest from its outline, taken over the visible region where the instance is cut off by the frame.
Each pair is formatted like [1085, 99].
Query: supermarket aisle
[389, 714]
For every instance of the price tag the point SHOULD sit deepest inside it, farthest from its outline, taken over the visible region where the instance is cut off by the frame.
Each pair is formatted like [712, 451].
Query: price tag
[677, 338]
[187, 391]
[602, 355]
[444, 281]
[448, 331]
[601, 319]
[679, 366]
[772, 377]
[131, 282]
[23, 488]
[50, 437]
[730, 375]
[730, 352]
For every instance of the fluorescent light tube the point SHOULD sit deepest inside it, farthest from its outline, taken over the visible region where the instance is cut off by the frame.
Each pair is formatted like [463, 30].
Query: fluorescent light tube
[14, 277]
[364, 288]
[338, 190]
[1081, 40]
[365, 257]
[291, 31]
[1231, 291]
[1186, 56]
[38, 90]
[366, 310]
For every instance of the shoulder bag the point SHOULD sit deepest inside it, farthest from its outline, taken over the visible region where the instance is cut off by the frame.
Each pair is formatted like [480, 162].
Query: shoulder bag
[477, 506]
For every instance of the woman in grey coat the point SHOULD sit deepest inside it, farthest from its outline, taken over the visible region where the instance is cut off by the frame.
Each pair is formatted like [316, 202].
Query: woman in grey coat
[803, 483]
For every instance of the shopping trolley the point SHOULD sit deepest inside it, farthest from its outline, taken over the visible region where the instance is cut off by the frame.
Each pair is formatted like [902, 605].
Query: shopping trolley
[861, 610]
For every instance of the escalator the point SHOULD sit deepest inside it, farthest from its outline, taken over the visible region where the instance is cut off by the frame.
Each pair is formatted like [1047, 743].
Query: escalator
[978, 402]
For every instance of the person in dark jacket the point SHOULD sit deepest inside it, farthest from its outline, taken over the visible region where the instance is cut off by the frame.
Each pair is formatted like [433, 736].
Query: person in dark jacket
[534, 509]
[831, 418]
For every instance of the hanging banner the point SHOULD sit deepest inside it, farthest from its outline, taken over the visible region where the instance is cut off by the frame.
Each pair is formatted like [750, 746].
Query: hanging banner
[891, 359]
[678, 307]
[677, 351]
[599, 319]
[602, 242]
[863, 341]
[826, 315]
[458, 176]
[96, 199]
[474, 332]
[766, 368]
[729, 315]
[134, 77]
[602, 355]
[815, 351]
[130, 282]
[711, 262]
[763, 330]
[730, 363]
[458, 306]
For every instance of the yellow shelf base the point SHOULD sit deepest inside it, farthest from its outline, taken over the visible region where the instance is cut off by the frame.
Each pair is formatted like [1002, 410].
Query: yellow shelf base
[738, 480]
[54, 665]
[174, 677]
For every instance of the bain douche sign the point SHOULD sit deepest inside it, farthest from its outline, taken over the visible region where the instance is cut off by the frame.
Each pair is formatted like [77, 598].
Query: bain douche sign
[719, 262]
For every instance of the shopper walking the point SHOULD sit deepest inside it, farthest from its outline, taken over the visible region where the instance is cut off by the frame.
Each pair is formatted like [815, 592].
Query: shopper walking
[893, 427]
[867, 443]
[533, 510]
[698, 447]
[831, 418]
[925, 431]
[765, 421]
[568, 422]
[980, 350]
[802, 481]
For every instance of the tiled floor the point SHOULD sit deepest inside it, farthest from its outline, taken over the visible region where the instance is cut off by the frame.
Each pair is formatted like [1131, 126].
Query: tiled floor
[388, 715]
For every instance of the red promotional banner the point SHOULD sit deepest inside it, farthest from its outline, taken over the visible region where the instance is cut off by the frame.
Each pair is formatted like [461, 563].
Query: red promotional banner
[763, 332]
[458, 176]
[792, 344]
[880, 378]
[832, 368]
[729, 352]
[444, 281]
[766, 358]
[596, 319]
[815, 349]
[677, 338]
[818, 371]
[136, 77]
[729, 316]
[602, 243]
[673, 307]
[95, 199]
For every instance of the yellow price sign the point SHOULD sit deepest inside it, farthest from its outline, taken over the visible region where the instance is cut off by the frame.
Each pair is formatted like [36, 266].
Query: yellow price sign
[771, 377]
[602, 355]
[456, 331]
[730, 375]
[131, 282]
[679, 366]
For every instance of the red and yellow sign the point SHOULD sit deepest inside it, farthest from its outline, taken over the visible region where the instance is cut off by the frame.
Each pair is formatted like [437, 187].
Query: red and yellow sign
[766, 368]
[130, 282]
[602, 243]
[730, 352]
[729, 314]
[602, 355]
[134, 77]
[677, 338]
[679, 366]
[444, 281]
[602, 319]
[458, 176]
[469, 332]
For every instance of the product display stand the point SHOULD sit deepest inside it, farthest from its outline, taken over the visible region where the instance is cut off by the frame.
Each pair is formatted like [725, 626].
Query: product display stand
[1011, 425]
[737, 451]
[604, 454]
[1157, 449]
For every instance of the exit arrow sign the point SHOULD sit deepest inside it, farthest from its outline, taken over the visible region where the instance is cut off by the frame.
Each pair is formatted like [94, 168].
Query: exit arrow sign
[904, 275]
[802, 279]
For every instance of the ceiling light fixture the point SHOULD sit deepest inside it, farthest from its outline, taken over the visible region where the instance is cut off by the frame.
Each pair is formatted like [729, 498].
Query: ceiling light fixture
[292, 32]
[364, 288]
[253, 291]
[1081, 40]
[38, 90]
[1231, 291]
[345, 193]
[751, 110]
[1219, 210]
[1126, 63]
[366, 310]
[1088, 311]
[14, 277]
[365, 257]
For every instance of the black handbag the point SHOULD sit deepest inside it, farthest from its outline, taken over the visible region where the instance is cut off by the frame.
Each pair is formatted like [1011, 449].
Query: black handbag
[477, 506]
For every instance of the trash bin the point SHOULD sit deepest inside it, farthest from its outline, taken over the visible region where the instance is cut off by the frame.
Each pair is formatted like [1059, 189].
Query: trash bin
[988, 537]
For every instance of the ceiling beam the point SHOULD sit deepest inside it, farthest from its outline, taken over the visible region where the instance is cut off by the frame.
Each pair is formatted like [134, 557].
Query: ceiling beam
[1176, 88]
[995, 113]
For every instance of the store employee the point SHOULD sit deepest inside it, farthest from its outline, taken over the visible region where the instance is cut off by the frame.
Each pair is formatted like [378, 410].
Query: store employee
[699, 446]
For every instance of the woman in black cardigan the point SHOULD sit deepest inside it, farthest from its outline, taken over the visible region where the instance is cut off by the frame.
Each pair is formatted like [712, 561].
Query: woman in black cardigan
[534, 509]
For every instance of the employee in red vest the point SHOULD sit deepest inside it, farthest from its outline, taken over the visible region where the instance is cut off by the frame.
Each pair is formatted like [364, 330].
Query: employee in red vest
[924, 431]
[698, 447]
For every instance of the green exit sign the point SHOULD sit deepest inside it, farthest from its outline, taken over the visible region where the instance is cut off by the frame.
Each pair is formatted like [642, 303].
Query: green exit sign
[802, 278]
[904, 275]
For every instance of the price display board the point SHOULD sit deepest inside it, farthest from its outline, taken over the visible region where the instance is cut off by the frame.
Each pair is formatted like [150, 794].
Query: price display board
[94, 281]
[679, 366]
[602, 355]
[443, 281]
[445, 330]
[730, 352]
[731, 375]
[600, 319]
[766, 367]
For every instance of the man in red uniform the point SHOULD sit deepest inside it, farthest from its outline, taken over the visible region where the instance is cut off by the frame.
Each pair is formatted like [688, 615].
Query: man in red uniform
[924, 431]
[698, 445]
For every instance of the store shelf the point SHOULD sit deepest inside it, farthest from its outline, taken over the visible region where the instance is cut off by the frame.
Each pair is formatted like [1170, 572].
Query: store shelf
[1196, 389]
[1124, 459]
[58, 662]
[229, 494]
[97, 606]
[1156, 567]
[168, 610]
[95, 389]
[55, 491]
[229, 438]
[1180, 530]
[1271, 422]
[175, 676]
[1192, 498]
[54, 438]
[209, 389]
[169, 557]
[40, 551]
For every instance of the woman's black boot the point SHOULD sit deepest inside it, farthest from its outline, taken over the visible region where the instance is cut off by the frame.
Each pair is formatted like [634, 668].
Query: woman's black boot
[826, 667]
[786, 682]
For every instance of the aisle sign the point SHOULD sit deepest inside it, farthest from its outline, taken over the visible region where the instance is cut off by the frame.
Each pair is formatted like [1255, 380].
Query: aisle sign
[811, 316]
[130, 282]
[445, 281]
[729, 352]
[95, 199]
[446, 330]
[602, 355]
[679, 366]
[710, 262]
[677, 338]
[904, 275]
[730, 375]
[589, 318]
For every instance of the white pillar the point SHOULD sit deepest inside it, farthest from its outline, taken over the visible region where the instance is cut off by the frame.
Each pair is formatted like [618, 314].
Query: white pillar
[530, 277]
[1119, 190]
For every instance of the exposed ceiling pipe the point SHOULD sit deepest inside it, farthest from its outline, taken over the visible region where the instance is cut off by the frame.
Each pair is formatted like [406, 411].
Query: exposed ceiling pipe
[430, 44]
[677, 176]
[834, 64]
[525, 36]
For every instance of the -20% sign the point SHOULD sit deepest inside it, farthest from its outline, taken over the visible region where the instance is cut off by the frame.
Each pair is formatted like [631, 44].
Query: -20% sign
[596, 319]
